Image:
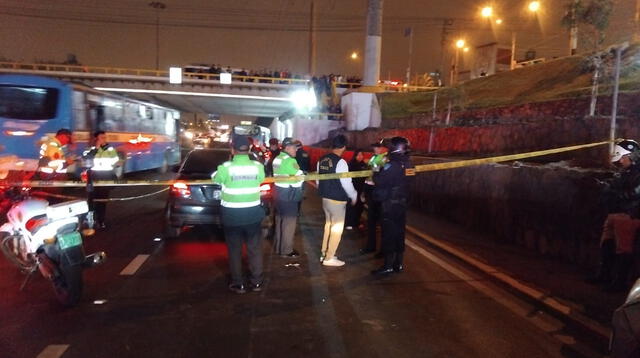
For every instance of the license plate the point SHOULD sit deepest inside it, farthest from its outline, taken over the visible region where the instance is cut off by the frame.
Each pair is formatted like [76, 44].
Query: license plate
[69, 240]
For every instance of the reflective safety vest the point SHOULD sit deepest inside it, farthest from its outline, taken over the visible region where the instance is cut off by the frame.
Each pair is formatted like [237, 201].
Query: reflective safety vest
[240, 179]
[376, 163]
[104, 157]
[283, 166]
[52, 157]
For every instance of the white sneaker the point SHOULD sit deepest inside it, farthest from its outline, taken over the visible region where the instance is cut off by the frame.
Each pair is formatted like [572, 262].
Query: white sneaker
[333, 262]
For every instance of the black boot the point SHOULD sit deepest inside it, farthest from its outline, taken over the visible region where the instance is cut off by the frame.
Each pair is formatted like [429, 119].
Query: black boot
[397, 264]
[387, 268]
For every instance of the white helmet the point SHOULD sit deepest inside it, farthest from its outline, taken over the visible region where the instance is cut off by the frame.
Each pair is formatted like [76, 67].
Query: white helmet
[624, 147]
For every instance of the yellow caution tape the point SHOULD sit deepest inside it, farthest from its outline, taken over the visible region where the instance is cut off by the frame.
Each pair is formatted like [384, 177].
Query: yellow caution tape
[315, 176]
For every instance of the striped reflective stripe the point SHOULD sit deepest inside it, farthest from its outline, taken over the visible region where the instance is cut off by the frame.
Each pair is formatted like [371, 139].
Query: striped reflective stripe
[296, 184]
[248, 204]
[240, 191]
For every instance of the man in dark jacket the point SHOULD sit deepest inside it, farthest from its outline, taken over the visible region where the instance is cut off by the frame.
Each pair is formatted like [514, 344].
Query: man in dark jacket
[619, 232]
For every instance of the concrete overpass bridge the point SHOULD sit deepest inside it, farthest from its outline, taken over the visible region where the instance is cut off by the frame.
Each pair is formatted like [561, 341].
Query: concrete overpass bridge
[198, 93]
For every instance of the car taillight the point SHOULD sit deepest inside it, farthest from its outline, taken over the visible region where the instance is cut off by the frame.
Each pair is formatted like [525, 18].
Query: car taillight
[181, 189]
[265, 187]
[35, 223]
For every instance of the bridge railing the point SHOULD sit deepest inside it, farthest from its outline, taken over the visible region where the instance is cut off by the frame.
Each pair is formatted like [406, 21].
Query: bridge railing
[143, 72]
[342, 86]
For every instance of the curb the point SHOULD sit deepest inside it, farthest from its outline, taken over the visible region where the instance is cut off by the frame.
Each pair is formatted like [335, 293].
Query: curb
[532, 293]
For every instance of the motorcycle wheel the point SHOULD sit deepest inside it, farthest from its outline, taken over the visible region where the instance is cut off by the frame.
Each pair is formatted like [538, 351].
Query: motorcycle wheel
[68, 284]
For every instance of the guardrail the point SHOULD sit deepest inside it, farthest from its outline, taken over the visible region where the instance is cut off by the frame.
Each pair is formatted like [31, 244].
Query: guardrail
[144, 72]
[390, 88]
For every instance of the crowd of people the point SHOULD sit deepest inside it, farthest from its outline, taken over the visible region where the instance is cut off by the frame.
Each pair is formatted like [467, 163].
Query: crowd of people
[342, 202]
[323, 85]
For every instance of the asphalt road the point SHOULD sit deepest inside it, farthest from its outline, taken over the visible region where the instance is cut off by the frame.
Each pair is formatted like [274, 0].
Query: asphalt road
[176, 304]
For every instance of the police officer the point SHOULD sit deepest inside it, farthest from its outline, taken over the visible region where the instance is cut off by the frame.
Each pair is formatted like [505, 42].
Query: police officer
[302, 157]
[273, 152]
[622, 224]
[392, 191]
[288, 195]
[55, 161]
[242, 213]
[375, 163]
[104, 158]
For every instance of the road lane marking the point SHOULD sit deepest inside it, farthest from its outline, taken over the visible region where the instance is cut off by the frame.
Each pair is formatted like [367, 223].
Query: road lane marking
[134, 265]
[53, 351]
[498, 297]
[527, 290]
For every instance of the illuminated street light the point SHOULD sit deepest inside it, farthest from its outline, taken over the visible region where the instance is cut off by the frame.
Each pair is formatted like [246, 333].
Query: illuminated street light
[304, 100]
[487, 11]
[534, 6]
[354, 55]
[460, 43]
[498, 21]
[466, 49]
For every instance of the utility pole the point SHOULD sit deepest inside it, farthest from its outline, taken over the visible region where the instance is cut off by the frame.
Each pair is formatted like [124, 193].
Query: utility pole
[513, 50]
[410, 30]
[573, 32]
[158, 6]
[312, 39]
[637, 33]
[373, 44]
[444, 41]
[616, 89]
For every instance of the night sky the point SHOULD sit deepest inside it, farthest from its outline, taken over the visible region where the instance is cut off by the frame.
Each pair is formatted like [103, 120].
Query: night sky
[273, 34]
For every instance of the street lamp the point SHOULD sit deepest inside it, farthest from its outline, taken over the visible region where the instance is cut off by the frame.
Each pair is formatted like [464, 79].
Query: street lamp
[354, 55]
[487, 11]
[158, 6]
[534, 6]
[460, 43]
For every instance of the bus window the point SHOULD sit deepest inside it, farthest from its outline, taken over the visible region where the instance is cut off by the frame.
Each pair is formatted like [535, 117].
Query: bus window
[17, 102]
[81, 121]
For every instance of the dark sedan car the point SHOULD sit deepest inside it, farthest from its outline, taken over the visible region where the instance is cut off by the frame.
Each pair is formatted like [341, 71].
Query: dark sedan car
[189, 205]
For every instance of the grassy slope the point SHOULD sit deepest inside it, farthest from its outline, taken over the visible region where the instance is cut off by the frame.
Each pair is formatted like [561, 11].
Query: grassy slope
[556, 79]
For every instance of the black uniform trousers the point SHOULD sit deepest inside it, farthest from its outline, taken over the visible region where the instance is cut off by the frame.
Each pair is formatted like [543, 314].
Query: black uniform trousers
[373, 217]
[393, 227]
[99, 208]
[249, 234]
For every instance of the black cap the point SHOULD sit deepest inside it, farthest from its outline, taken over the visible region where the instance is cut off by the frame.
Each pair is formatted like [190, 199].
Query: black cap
[288, 141]
[241, 143]
[339, 141]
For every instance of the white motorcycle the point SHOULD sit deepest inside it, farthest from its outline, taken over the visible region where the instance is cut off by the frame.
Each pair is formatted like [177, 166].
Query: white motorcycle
[47, 238]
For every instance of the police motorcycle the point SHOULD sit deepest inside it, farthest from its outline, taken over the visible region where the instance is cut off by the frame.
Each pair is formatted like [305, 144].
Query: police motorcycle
[47, 238]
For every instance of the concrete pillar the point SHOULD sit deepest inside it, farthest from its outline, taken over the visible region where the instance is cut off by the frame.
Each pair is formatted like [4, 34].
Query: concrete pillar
[373, 43]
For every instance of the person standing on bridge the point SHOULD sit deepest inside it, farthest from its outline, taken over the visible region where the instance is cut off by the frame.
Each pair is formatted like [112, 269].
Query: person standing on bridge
[288, 195]
[392, 191]
[335, 193]
[242, 213]
[105, 158]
